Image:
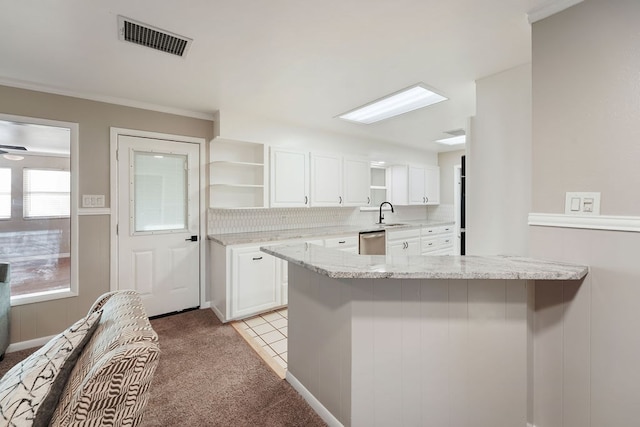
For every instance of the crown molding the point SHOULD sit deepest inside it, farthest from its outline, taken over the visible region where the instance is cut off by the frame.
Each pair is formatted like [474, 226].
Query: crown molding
[106, 99]
[596, 222]
[550, 8]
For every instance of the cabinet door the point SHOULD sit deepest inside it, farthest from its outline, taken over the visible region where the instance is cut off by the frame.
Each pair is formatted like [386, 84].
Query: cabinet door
[416, 185]
[404, 247]
[326, 180]
[253, 282]
[289, 178]
[432, 185]
[356, 181]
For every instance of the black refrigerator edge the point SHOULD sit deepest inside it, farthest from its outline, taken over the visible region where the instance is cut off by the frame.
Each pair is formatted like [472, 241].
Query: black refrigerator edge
[462, 205]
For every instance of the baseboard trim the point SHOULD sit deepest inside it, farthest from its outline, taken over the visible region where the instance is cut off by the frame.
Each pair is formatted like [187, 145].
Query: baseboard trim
[23, 345]
[315, 404]
[599, 222]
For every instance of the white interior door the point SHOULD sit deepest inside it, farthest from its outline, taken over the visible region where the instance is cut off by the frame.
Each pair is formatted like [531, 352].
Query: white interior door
[158, 222]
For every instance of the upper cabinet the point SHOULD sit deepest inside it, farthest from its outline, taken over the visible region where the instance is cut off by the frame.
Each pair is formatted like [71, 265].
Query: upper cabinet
[356, 181]
[339, 181]
[326, 179]
[289, 182]
[237, 174]
[414, 185]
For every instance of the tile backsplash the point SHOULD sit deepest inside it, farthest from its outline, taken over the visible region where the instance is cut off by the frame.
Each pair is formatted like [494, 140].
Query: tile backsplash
[221, 221]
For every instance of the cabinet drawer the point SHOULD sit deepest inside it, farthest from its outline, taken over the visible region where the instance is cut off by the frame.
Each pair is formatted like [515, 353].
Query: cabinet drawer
[341, 242]
[402, 234]
[432, 231]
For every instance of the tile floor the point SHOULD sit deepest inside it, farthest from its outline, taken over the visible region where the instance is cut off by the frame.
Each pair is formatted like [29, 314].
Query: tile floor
[269, 331]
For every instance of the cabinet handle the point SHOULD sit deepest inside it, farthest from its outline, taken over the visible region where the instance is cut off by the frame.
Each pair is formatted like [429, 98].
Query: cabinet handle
[426, 199]
[340, 198]
[423, 200]
[368, 200]
[342, 241]
[306, 199]
[257, 258]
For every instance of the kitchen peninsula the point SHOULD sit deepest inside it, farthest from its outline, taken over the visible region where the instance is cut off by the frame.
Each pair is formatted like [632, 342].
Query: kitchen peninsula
[414, 340]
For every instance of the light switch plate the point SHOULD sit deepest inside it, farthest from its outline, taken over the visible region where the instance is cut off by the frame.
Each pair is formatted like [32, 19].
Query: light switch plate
[582, 203]
[93, 200]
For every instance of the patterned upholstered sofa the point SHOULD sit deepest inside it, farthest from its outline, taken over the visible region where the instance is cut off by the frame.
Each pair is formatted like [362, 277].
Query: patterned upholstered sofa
[95, 373]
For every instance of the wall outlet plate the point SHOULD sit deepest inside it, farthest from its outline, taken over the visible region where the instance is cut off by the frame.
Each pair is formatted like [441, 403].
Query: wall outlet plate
[582, 203]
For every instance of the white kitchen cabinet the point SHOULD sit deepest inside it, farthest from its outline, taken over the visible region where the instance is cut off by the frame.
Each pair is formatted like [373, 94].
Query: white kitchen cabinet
[403, 242]
[417, 185]
[245, 281]
[432, 184]
[289, 183]
[237, 174]
[356, 181]
[437, 240]
[253, 282]
[338, 180]
[326, 179]
[414, 185]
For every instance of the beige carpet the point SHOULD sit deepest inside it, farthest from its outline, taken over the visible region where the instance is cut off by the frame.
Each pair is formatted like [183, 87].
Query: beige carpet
[209, 376]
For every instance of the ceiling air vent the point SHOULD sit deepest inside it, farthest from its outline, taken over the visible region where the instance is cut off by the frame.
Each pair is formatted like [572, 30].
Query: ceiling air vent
[155, 38]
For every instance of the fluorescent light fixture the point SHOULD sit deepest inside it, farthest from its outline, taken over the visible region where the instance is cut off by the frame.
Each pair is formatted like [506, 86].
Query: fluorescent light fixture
[454, 140]
[409, 99]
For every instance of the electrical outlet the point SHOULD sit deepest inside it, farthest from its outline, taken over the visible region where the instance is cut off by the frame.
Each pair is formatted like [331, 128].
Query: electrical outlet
[582, 203]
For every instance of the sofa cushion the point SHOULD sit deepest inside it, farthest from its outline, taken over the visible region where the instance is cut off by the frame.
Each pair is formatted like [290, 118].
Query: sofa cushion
[29, 391]
[109, 383]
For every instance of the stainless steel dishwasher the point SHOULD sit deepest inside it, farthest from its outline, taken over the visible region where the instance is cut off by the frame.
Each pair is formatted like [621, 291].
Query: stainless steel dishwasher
[373, 243]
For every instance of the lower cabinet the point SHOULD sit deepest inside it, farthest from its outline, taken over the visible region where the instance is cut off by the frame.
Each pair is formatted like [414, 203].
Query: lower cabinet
[244, 281]
[437, 240]
[253, 282]
[403, 242]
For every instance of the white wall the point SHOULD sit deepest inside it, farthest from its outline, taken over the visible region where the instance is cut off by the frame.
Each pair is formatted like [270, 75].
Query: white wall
[585, 138]
[239, 126]
[498, 159]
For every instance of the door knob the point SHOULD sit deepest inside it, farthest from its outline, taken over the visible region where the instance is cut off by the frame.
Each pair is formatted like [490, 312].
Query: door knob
[192, 239]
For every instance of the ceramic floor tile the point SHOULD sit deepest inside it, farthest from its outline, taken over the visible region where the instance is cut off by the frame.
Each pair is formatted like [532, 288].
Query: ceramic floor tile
[272, 337]
[284, 312]
[271, 316]
[284, 356]
[255, 321]
[279, 323]
[263, 328]
[251, 332]
[283, 331]
[279, 346]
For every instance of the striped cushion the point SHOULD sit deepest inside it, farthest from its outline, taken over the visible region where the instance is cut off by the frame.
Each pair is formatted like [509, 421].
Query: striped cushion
[109, 384]
[30, 390]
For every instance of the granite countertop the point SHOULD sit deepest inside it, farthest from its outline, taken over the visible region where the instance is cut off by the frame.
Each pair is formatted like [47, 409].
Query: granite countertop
[338, 264]
[302, 233]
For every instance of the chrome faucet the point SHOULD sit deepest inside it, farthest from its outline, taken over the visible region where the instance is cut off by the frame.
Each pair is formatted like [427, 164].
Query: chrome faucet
[381, 217]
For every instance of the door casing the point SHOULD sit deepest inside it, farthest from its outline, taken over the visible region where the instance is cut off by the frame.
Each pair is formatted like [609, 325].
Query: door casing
[115, 132]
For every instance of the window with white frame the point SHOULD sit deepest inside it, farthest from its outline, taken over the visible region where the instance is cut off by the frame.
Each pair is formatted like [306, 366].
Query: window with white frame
[47, 193]
[5, 193]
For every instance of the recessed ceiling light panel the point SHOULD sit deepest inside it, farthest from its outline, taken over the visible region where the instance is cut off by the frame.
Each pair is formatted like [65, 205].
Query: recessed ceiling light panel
[454, 140]
[409, 99]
